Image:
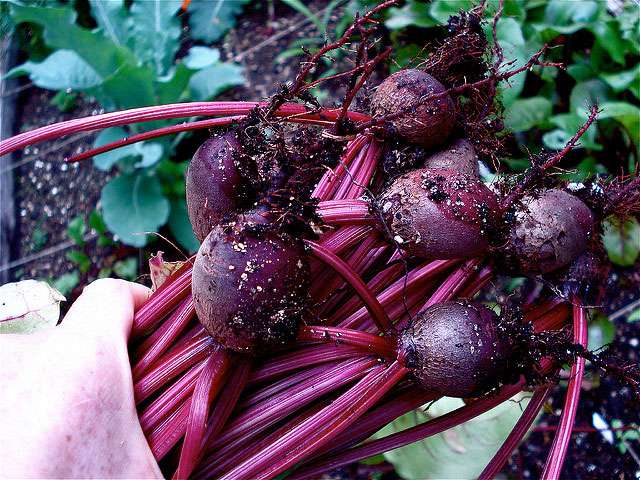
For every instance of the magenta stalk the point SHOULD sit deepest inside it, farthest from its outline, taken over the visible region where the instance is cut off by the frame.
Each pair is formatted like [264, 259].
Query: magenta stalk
[320, 428]
[342, 268]
[210, 382]
[516, 435]
[382, 346]
[161, 112]
[560, 444]
[346, 211]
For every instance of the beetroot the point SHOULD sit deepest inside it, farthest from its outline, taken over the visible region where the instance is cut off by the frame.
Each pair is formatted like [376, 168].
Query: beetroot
[455, 349]
[549, 231]
[425, 123]
[438, 213]
[459, 156]
[213, 183]
[249, 285]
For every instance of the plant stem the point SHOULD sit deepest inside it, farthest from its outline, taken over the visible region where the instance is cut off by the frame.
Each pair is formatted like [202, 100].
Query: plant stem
[209, 383]
[331, 179]
[163, 337]
[375, 309]
[558, 451]
[373, 343]
[173, 364]
[320, 428]
[516, 435]
[346, 211]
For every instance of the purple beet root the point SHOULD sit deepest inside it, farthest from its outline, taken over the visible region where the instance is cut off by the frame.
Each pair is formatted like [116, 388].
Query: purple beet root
[438, 213]
[426, 123]
[213, 183]
[249, 288]
[455, 349]
[550, 231]
[459, 156]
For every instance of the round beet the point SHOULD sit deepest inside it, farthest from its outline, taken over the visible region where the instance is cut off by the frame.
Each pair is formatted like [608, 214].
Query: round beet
[438, 213]
[249, 285]
[549, 231]
[213, 183]
[459, 156]
[426, 123]
[455, 349]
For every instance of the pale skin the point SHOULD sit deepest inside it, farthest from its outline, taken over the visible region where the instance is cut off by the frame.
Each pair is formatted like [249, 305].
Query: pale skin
[66, 403]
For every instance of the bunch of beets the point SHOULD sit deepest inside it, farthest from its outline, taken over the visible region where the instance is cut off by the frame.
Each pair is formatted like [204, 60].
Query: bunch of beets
[341, 254]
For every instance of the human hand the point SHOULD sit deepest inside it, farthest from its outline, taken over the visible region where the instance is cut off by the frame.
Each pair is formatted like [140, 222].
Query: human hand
[67, 408]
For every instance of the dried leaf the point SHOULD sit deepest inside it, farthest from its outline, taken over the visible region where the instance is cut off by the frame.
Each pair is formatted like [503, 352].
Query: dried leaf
[28, 306]
[161, 270]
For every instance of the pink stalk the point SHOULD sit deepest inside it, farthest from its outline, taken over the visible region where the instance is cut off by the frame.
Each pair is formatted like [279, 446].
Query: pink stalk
[286, 382]
[160, 112]
[345, 238]
[453, 284]
[207, 387]
[163, 338]
[516, 435]
[394, 293]
[265, 414]
[227, 400]
[174, 363]
[349, 175]
[375, 309]
[363, 176]
[170, 399]
[162, 301]
[329, 181]
[320, 428]
[410, 435]
[182, 127]
[166, 435]
[373, 343]
[558, 451]
[299, 359]
[476, 283]
[348, 211]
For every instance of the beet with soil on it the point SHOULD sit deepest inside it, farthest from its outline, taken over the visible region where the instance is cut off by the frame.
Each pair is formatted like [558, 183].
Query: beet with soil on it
[213, 183]
[455, 349]
[549, 231]
[250, 285]
[459, 156]
[425, 123]
[439, 213]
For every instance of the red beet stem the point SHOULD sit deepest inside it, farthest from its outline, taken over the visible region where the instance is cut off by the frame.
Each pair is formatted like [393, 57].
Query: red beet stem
[558, 451]
[210, 382]
[331, 179]
[410, 435]
[299, 359]
[345, 237]
[162, 301]
[166, 435]
[228, 399]
[160, 341]
[320, 428]
[349, 174]
[362, 177]
[265, 414]
[373, 343]
[160, 112]
[516, 435]
[173, 364]
[170, 399]
[346, 211]
[342, 268]
[453, 284]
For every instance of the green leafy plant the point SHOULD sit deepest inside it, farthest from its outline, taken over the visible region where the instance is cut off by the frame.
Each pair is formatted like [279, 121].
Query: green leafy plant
[129, 60]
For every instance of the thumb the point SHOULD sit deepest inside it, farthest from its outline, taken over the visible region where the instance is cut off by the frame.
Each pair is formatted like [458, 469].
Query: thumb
[107, 306]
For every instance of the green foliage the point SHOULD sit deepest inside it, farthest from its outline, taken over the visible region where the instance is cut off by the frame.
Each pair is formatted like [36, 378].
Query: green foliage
[622, 241]
[129, 61]
[66, 282]
[460, 452]
[602, 331]
[127, 268]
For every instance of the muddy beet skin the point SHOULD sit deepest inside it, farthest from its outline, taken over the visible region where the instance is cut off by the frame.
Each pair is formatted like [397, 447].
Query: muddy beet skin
[459, 156]
[549, 231]
[425, 123]
[249, 289]
[213, 183]
[455, 349]
[438, 213]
